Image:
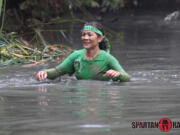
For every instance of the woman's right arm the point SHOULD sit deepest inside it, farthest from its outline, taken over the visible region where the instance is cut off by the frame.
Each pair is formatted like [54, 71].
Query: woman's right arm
[66, 67]
[52, 73]
[41, 75]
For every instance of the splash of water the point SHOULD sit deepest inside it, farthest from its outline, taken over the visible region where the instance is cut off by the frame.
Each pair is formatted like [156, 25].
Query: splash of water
[172, 17]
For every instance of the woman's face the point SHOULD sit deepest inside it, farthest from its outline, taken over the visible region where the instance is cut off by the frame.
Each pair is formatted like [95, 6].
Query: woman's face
[90, 39]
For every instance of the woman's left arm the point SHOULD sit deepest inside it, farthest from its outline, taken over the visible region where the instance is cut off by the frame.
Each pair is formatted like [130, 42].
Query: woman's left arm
[116, 71]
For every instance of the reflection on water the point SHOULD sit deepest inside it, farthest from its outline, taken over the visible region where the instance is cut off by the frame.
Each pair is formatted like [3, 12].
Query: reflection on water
[54, 109]
[149, 52]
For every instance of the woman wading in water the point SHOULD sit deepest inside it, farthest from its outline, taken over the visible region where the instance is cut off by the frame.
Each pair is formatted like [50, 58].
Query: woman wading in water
[90, 63]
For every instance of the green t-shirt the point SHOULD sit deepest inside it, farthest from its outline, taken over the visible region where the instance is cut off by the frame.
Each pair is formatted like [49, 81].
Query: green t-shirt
[88, 69]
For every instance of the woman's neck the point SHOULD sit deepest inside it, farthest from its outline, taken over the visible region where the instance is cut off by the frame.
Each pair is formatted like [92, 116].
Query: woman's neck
[91, 53]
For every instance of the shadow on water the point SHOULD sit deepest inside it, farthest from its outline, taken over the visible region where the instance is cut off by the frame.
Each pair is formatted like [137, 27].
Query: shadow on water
[150, 54]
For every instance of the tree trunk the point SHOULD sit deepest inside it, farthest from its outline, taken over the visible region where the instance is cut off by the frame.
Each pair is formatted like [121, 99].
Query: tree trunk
[1, 2]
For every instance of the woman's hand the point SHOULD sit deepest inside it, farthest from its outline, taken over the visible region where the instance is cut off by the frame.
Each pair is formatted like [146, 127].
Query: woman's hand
[112, 74]
[41, 75]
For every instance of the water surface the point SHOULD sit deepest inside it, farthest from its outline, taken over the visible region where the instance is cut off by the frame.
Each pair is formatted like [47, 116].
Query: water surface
[149, 52]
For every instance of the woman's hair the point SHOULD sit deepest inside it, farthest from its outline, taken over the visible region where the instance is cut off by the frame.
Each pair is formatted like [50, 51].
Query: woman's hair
[104, 44]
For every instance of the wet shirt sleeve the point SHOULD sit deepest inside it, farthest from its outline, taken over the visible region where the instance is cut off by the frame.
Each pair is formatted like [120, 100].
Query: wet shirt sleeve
[66, 67]
[114, 64]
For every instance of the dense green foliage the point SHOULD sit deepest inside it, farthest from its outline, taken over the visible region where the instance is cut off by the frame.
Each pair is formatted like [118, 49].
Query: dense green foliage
[18, 51]
[24, 13]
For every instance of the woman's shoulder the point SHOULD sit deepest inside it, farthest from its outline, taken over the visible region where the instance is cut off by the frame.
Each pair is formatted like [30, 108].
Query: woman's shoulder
[77, 53]
[105, 53]
[107, 56]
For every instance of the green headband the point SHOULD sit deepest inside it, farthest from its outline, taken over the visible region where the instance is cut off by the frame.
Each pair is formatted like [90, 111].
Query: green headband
[91, 28]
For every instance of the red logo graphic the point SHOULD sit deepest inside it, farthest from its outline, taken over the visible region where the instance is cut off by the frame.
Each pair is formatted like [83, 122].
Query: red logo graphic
[165, 125]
